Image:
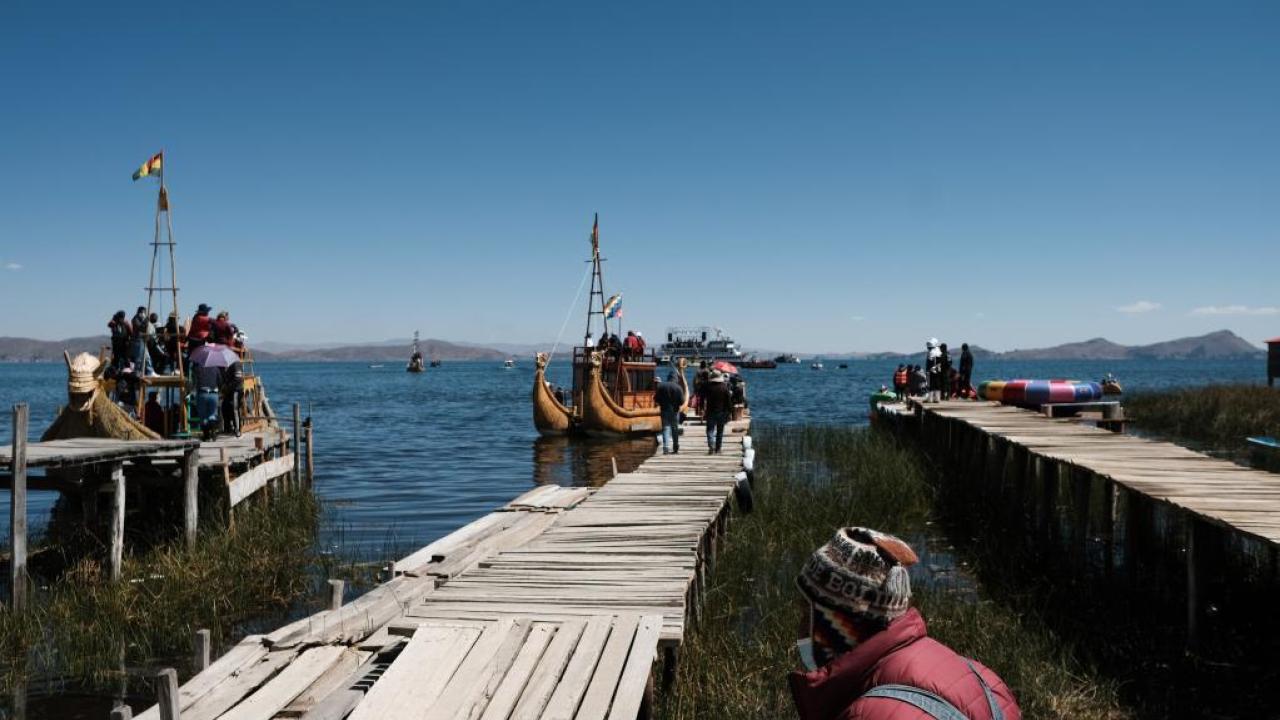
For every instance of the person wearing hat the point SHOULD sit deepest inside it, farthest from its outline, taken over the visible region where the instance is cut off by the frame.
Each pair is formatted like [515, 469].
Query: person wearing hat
[200, 327]
[868, 655]
[718, 406]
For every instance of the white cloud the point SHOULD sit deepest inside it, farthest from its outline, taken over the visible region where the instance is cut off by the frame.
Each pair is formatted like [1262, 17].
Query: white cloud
[1236, 310]
[12, 266]
[1142, 306]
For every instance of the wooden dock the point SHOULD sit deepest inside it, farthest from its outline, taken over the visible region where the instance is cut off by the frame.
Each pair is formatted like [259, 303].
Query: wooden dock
[1090, 485]
[554, 606]
[232, 468]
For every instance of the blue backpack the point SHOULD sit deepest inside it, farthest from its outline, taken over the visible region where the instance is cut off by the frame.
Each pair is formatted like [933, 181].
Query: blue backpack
[931, 703]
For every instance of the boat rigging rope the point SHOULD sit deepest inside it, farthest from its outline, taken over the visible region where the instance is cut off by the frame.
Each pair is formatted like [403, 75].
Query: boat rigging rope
[567, 313]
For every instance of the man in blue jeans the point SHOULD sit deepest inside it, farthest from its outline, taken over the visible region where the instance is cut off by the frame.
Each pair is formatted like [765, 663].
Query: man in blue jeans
[670, 397]
[719, 405]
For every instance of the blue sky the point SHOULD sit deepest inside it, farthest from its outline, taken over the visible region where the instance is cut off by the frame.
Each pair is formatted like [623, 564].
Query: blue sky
[843, 176]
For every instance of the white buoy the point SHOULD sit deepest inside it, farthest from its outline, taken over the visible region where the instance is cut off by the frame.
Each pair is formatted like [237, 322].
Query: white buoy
[749, 459]
[746, 442]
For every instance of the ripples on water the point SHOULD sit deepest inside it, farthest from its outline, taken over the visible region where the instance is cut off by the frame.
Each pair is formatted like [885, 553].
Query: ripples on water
[404, 459]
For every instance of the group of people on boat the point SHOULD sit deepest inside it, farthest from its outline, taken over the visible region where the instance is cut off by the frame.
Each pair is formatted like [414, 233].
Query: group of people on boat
[140, 348]
[938, 379]
[630, 348]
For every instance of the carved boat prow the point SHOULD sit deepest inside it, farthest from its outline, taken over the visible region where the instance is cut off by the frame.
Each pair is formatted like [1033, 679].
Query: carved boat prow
[550, 416]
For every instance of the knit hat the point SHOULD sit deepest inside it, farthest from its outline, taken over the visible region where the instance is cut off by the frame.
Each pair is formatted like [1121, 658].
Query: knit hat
[857, 580]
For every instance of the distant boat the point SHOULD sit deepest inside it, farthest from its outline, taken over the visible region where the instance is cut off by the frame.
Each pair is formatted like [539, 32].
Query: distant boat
[844, 366]
[754, 363]
[435, 362]
[787, 358]
[816, 366]
[375, 367]
[510, 364]
[415, 359]
[699, 343]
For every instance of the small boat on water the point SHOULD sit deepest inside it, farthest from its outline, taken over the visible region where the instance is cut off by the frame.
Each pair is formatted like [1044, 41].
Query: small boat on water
[1111, 386]
[787, 359]
[755, 363]
[699, 343]
[816, 366]
[510, 364]
[612, 390]
[375, 366]
[415, 358]
[435, 362]
[844, 366]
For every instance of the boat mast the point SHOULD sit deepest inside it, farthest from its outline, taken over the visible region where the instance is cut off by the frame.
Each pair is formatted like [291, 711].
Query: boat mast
[155, 281]
[596, 298]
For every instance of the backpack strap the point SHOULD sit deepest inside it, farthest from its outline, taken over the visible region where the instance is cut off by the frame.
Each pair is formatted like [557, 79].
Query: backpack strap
[934, 705]
[922, 700]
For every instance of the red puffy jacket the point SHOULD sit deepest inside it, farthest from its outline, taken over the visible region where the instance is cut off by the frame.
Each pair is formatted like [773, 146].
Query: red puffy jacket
[902, 654]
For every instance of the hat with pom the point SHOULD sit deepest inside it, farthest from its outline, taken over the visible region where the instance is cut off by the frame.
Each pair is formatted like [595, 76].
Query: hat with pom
[862, 572]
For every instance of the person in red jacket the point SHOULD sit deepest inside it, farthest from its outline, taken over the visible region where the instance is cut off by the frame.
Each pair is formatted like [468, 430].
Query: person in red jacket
[868, 652]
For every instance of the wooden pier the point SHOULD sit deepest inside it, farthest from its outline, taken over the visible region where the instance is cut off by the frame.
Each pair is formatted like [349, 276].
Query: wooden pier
[231, 468]
[1077, 487]
[555, 606]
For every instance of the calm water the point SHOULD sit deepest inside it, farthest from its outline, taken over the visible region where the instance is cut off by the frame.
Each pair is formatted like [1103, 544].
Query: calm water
[404, 459]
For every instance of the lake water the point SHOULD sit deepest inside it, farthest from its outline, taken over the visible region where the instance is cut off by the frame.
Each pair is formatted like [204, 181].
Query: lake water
[404, 459]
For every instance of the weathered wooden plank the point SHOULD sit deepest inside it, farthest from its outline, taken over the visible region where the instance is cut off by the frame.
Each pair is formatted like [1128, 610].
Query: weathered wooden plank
[542, 683]
[253, 480]
[503, 698]
[604, 682]
[417, 677]
[272, 697]
[577, 676]
[630, 693]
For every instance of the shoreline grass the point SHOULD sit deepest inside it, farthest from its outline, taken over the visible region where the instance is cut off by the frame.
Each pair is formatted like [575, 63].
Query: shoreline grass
[77, 625]
[1220, 415]
[811, 480]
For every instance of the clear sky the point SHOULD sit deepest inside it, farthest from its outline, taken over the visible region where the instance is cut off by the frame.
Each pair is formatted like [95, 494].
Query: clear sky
[811, 177]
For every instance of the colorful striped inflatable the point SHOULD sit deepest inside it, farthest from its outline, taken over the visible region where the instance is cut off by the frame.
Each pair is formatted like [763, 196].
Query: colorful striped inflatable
[1039, 392]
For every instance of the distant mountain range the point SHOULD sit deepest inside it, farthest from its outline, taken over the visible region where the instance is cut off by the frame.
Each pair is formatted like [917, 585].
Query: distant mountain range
[1220, 344]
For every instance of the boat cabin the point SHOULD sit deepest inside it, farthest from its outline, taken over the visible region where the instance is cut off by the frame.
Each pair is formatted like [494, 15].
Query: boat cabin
[629, 381]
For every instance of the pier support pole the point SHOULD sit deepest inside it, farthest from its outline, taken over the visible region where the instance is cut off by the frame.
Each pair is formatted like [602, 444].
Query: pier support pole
[18, 511]
[297, 436]
[202, 650]
[118, 491]
[1193, 587]
[167, 694]
[336, 588]
[190, 494]
[311, 460]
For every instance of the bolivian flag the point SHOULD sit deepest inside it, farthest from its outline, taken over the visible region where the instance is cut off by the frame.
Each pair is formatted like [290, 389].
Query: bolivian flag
[150, 167]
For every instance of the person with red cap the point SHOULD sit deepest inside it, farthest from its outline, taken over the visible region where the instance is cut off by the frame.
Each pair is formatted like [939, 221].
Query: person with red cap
[868, 654]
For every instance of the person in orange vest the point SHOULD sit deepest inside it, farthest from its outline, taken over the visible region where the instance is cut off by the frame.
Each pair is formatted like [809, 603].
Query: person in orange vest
[900, 382]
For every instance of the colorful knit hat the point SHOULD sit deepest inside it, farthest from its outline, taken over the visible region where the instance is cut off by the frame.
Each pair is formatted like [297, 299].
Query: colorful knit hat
[856, 581]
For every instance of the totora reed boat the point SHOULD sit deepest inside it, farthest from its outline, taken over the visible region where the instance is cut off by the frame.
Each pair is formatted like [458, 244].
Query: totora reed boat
[612, 391]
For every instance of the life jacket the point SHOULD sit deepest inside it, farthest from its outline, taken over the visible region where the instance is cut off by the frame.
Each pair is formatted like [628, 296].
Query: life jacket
[900, 378]
[200, 325]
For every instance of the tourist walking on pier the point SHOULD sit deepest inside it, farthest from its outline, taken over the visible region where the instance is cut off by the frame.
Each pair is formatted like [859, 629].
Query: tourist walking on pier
[669, 396]
[945, 363]
[872, 658]
[966, 369]
[933, 366]
[719, 404]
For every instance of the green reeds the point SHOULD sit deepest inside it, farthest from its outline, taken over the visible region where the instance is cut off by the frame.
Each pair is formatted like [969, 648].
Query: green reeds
[85, 630]
[811, 480]
[1221, 415]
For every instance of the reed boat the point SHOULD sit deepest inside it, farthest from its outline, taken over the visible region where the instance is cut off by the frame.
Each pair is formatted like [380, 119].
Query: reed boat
[550, 416]
[612, 387]
[93, 382]
[619, 396]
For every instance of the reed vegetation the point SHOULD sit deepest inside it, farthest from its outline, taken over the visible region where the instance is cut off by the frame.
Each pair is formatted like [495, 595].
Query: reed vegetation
[1220, 415]
[83, 630]
[809, 481]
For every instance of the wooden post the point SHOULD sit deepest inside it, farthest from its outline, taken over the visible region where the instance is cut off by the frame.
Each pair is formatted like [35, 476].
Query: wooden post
[1193, 587]
[336, 588]
[167, 694]
[190, 495]
[18, 511]
[614, 460]
[297, 435]
[118, 491]
[311, 460]
[202, 649]
[226, 485]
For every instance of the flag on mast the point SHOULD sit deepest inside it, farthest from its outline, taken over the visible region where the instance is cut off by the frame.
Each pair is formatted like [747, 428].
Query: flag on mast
[150, 167]
[613, 308]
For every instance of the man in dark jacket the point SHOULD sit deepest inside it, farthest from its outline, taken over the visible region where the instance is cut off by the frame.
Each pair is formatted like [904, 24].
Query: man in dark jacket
[120, 333]
[138, 349]
[966, 368]
[669, 397]
[232, 391]
[719, 406]
[871, 656]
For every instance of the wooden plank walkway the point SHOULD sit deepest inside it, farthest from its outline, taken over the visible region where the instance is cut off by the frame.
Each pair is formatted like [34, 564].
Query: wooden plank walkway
[1216, 490]
[554, 606]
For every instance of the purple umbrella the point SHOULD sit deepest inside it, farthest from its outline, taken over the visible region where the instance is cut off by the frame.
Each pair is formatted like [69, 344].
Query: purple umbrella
[214, 355]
